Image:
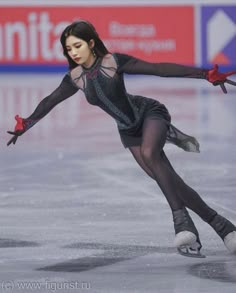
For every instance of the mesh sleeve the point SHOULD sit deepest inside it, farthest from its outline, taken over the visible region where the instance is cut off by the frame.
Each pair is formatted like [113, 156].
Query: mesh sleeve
[132, 65]
[65, 90]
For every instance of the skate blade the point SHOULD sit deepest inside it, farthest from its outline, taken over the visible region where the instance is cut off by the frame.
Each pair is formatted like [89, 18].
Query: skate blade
[189, 252]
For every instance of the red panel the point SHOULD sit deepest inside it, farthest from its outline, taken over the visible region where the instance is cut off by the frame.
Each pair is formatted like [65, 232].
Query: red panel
[152, 33]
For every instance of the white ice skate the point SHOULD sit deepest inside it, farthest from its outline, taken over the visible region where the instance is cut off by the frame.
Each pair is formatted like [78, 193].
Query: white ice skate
[187, 244]
[230, 242]
[187, 239]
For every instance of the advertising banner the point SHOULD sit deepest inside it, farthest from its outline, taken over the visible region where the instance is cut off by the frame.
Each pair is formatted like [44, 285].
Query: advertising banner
[219, 35]
[31, 35]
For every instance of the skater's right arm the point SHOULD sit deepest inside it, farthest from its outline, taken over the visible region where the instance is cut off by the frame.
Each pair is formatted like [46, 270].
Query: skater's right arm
[131, 65]
[65, 90]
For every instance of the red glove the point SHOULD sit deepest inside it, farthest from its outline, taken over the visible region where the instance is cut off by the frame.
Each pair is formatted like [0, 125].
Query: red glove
[20, 128]
[218, 78]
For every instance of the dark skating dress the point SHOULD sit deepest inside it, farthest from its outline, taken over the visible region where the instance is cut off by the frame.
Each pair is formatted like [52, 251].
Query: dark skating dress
[103, 86]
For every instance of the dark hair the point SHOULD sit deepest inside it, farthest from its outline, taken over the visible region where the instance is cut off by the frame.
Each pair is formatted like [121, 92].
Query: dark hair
[86, 31]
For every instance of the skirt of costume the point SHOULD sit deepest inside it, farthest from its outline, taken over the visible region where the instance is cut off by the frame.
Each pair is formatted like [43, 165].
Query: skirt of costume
[153, 109]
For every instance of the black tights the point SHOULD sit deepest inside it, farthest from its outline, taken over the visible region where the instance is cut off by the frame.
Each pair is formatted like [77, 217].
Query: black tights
[151, 157]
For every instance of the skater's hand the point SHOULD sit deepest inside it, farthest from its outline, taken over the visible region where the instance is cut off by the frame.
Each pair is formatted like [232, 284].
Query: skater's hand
[19, 130]
[218, 78]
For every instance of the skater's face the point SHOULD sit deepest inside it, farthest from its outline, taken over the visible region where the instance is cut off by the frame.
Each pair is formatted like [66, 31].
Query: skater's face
[80, 51]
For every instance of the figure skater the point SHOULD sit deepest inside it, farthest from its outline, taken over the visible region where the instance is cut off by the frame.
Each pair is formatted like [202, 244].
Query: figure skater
[144, 124]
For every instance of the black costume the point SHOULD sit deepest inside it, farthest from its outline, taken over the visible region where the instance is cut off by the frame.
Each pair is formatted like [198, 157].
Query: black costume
[103, 86]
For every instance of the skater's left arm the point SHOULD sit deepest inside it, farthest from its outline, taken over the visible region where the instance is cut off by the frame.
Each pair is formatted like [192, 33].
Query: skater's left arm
[131, 65]
[65, 90]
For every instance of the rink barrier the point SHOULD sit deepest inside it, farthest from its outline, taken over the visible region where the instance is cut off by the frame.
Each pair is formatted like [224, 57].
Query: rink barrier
[29, 36]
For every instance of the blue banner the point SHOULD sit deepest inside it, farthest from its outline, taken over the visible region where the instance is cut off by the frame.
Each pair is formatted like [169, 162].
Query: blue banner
[218, 32]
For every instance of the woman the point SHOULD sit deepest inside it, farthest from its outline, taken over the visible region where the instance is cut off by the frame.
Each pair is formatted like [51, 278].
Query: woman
[144, 124]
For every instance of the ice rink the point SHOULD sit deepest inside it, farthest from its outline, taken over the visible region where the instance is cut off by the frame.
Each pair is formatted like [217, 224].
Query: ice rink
[79, 215]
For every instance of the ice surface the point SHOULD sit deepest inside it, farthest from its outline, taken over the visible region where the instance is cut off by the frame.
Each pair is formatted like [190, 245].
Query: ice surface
[77, 213]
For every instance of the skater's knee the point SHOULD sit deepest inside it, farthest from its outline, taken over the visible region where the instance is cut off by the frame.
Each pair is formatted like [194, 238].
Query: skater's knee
[150, 156]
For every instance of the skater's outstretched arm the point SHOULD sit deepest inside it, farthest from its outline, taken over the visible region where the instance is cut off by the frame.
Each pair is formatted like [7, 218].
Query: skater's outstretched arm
[132, 65]
[65, 90]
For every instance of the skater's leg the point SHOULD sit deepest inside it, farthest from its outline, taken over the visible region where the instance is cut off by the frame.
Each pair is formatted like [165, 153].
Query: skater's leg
[136, 152]
[151, 151]
[186, 232]
[223, 227]
[154, 162]
[174, 188]
[178, 183]
[184, 194]
[174, 201]
[190, 197]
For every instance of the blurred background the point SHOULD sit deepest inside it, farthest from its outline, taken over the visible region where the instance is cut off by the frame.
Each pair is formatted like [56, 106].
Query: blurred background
[190, 32]
[32, 65]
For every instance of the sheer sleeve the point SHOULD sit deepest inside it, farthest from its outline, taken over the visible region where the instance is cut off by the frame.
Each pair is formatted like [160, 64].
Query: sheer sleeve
[65, 90]
[132, 65]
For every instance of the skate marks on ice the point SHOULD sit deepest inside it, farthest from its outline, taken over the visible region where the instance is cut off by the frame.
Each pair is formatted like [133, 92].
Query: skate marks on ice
[222, 271]
[11, 243]
[110, 254]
